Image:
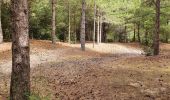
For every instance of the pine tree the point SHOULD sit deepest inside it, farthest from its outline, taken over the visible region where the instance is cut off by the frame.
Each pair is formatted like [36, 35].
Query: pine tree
[1, 34]
[82, 33]
[20, 77]
[157, 28]
[53, 21]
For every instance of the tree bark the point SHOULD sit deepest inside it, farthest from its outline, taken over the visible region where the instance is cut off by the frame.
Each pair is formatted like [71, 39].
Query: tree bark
[138, 25]
[20, 77]
[125, 39]
[167, 34]
[134, 36]
[98, 29]
[1, 34]
[157, 29]
[82, 33]
[104, 36]
[94, 30]
[146, 37]
[69, 35]
[53, 21]
[100, 34]
[75, 28]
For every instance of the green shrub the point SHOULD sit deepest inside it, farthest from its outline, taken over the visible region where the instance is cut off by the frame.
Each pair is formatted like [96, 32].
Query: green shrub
[46, 36]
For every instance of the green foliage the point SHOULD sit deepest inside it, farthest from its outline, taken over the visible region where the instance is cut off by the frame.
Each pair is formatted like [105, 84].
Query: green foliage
[40, 18]
[5, 20]
[116, 13]
[34, 96]
[165, 33]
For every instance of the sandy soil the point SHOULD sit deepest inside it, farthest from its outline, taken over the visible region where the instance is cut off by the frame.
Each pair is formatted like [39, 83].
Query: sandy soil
[43, 52]
[106, 72]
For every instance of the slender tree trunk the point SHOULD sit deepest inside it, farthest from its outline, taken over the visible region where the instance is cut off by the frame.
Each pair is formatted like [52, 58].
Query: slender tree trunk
[75, 32]
[104, 38]
[89, 34]
[126, 40]
[146, 37]
[167, 34]
[20, 77]
[98, 29]
[1, 34]
[138, 25]
[134, 36]
[100, 37]
[94, 30]
[53, 21]
[69, 35]
[82, 33]
[29, 16]
[157, 29]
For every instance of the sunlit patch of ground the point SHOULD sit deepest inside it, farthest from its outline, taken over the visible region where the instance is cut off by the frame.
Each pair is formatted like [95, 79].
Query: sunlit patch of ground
[111, 48]
[107, 72]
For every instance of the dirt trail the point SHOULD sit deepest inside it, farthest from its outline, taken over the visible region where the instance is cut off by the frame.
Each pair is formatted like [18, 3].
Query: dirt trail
[106, 72]
[43, 55]
[111, 48]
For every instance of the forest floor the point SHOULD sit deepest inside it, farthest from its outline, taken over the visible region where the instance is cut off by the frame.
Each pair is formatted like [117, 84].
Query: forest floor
[107, 72]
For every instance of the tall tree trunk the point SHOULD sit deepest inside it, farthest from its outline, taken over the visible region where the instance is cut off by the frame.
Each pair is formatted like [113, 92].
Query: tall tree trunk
[75, 28]
[138, 27]
[88, 36]
[157, 29]
[146, 37]
[53, 21]
[20, 77]
[167, 34]
[94, 30]
[98, 29]
[31, 35]
[104, 38]
[1, 34]
[134, 36]
[69, 35]
[82, 33]
[100, 37]
[126, 40]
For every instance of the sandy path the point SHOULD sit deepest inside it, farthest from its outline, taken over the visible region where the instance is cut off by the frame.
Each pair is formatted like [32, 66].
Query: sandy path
[39, 56]
[106, 72]
[109, 48]
[5, 47]
[36, 59]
